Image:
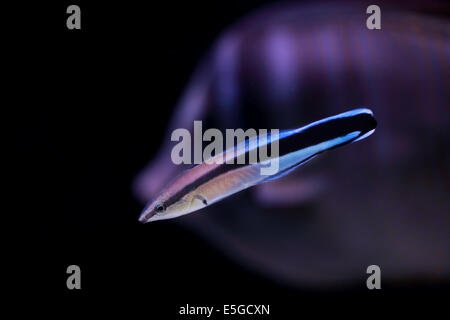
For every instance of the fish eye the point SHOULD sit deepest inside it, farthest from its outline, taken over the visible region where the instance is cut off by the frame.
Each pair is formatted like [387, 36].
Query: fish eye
[160, 207]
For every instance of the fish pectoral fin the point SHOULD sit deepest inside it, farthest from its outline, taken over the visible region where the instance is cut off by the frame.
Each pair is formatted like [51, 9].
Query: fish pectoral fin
[201, 198]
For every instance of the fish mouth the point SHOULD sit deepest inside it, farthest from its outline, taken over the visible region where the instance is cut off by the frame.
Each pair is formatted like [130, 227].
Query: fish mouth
[145, 214]
[145, 217]
[142, 219]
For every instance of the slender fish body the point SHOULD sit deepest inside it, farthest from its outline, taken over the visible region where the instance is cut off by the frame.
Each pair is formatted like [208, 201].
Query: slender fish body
[213, 181]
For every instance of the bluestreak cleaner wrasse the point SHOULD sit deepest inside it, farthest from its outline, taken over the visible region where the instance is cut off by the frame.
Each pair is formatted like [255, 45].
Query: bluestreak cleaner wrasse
[210, 182]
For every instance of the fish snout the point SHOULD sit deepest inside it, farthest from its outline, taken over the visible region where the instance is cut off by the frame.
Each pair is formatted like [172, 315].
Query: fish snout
[142, 219]
[146, 216]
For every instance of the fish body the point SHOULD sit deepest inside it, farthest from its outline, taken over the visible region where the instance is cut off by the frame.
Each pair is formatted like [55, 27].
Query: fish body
[212, 181]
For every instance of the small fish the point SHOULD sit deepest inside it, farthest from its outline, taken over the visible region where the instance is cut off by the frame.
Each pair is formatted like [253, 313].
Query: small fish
[210, 182]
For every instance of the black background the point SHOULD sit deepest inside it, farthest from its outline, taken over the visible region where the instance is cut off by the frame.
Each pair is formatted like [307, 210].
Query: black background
[93, 107]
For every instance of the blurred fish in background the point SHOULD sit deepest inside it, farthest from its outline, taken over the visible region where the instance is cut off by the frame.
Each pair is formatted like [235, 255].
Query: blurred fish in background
[385, 201]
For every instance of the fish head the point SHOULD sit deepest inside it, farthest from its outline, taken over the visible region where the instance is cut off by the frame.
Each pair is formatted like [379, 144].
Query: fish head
[163, 208]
